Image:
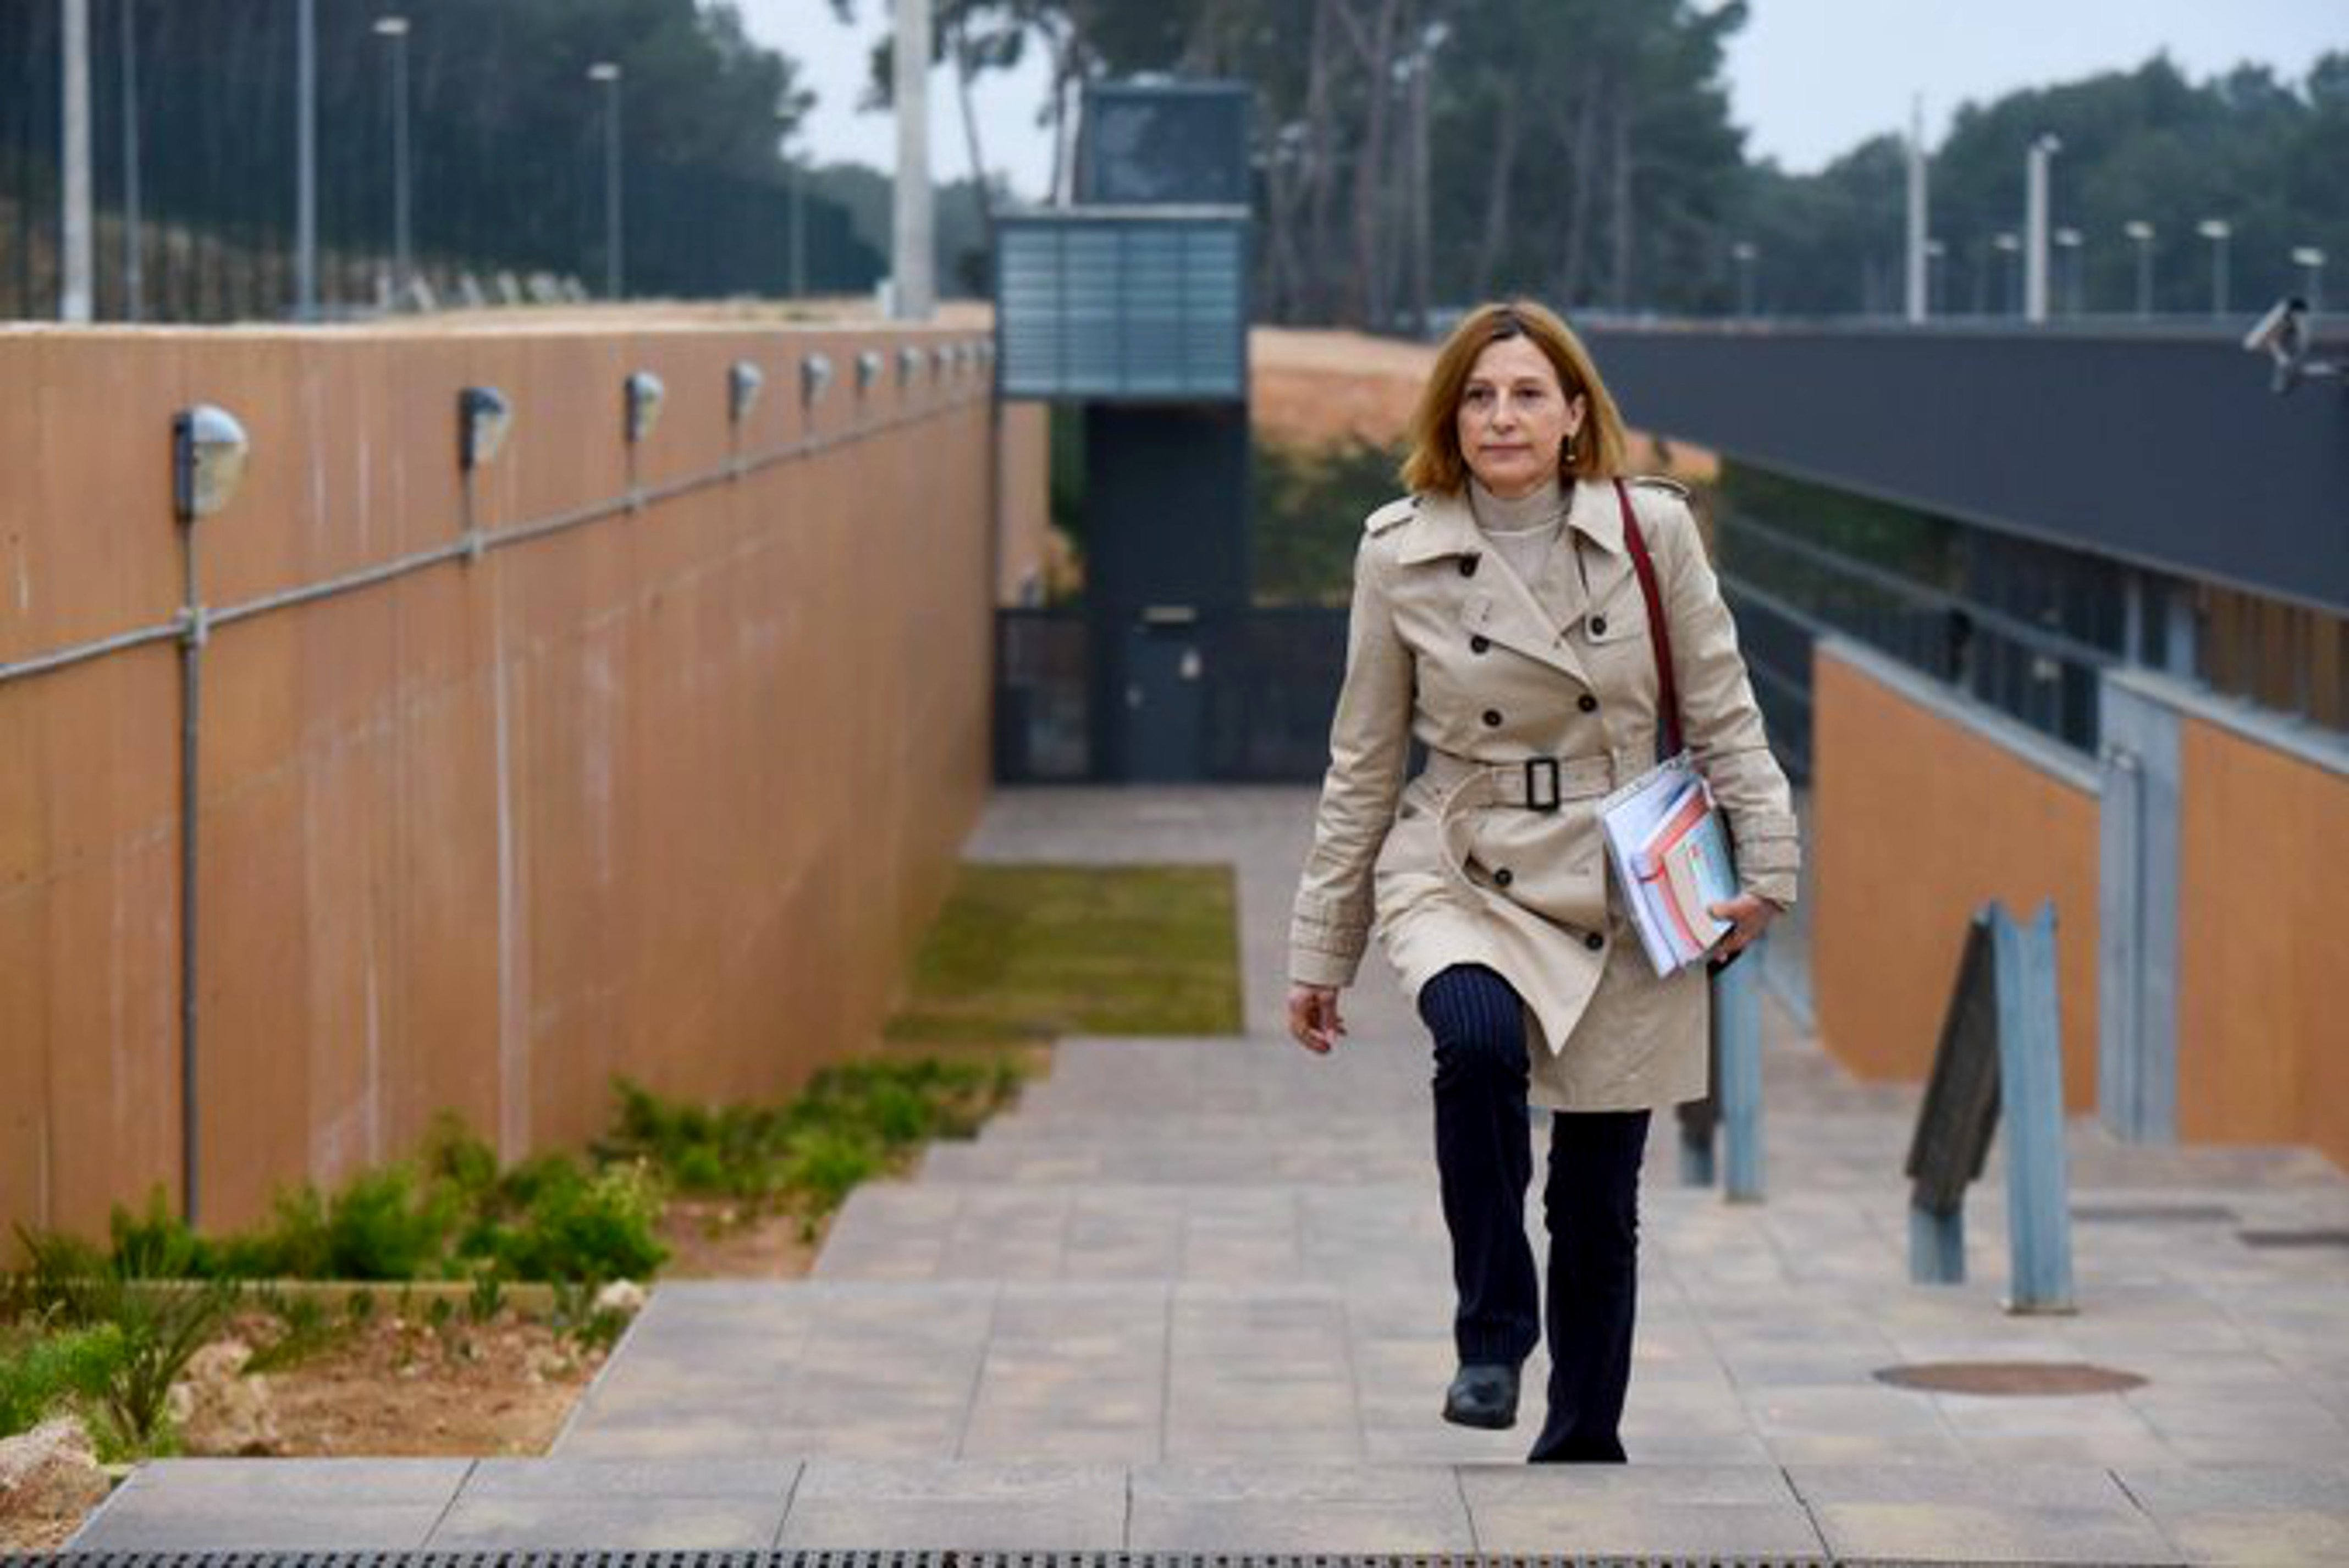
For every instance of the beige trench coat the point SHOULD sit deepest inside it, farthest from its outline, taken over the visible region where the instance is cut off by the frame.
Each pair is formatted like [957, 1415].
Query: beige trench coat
[1448, 645]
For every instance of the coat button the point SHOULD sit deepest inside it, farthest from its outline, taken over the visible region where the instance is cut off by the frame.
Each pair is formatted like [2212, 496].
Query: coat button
[1594, 941]
[1492, 718]
[1598, 625]
[1477, 644]
[1588, 704]
[1467, 566]
[1502, 878]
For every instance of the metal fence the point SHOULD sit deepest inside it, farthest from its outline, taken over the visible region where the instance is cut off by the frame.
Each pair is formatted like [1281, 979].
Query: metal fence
[2028, 635]
[193, 114]
[1266, 680]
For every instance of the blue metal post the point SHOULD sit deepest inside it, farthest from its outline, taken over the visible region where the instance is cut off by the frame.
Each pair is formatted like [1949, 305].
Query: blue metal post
[1739, 1022]
[2031, 1094]
[1696, 1159]
[1937, 1246]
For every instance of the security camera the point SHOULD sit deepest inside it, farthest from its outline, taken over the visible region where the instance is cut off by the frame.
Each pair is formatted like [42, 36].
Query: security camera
[2283, 335]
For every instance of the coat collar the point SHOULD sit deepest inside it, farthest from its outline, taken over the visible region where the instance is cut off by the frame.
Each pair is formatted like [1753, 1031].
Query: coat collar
[1444, 525]
[1597, 514]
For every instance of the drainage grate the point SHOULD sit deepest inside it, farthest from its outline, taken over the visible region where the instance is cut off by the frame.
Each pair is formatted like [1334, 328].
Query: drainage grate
[519, 1558]
[2155, 1213]
[2294, 1238]
[2023, 1378]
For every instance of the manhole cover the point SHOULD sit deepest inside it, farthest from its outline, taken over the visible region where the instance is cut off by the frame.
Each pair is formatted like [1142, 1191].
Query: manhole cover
[2010, 1377]
[2155, 1213]
[2294, 1238]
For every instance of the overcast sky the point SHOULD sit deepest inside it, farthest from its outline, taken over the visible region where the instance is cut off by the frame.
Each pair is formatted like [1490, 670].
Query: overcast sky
[1809, 79]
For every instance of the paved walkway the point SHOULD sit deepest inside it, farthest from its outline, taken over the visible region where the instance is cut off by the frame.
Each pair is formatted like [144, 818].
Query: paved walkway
[1193, 1295]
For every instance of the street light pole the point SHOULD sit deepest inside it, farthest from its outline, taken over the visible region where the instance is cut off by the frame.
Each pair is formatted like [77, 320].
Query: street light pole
[134, 268]
[77, 295]
[2010, 245]
[1918, 300]
[2310, 261]
[2034, 226]
[2216, 231]
[1937, 272]
[2068, 241]
[395, 29]
[608, 73]
[912, 262]
[2140, 233]
[797, 261]
[305, 160]
[1743, 252]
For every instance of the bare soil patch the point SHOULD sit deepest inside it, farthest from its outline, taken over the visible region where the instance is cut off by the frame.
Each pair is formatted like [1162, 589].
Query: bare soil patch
[398, 1386]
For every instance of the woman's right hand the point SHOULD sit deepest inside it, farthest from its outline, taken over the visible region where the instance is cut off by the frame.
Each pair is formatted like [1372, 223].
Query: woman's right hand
[1313, 1020]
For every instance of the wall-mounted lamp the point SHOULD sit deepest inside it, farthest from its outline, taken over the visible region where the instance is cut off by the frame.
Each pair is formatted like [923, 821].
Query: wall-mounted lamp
[815, 379]
[909, 364]
[642, 396]
[944, 358]
[744, 381]
[483, 417]
[868, 370]
[208, 452]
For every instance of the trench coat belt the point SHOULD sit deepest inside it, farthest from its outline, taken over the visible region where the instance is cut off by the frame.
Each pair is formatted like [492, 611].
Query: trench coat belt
[1537, 783]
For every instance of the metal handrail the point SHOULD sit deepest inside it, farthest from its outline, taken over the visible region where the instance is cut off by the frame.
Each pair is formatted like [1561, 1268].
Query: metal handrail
[2039, 638]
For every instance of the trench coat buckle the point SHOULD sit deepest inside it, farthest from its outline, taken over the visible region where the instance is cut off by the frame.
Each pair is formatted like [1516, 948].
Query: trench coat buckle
[1535, 800]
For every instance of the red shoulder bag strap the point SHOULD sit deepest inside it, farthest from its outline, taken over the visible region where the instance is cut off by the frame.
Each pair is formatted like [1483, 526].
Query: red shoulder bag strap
[1659, 633]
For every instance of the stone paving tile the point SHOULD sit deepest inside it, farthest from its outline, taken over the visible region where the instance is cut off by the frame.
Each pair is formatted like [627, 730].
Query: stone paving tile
[1330, 1509]
[915, 1506]
[289, 1504]
[670, 1523]
[1743, 1512]
[2268, 1514]
[626, 1478]
[2033, 1514]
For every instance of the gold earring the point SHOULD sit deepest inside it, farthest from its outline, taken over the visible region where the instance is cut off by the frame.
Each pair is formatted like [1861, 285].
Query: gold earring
[1567, 451]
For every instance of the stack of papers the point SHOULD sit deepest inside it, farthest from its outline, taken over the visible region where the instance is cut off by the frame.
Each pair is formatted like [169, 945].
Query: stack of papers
[1671, 854]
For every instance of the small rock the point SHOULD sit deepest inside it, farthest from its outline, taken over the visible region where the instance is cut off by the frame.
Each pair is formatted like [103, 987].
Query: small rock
[50, 1476]
[220, 1407]
[621, 1295]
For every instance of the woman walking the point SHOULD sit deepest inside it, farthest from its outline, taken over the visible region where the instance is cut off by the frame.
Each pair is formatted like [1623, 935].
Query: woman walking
[1502, 616]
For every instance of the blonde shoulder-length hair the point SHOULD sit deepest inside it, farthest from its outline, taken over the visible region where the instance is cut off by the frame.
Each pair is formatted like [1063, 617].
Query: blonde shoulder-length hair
[1437, 463]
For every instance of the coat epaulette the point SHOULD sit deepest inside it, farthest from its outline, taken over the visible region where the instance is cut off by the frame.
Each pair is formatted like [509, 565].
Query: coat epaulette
[1664, 482]
[1391, 515]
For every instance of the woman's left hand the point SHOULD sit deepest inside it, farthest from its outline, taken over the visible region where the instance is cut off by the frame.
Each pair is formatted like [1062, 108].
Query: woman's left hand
[1749, 916]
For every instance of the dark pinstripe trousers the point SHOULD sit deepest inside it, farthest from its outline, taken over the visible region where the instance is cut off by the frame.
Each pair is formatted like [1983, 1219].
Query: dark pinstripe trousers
[1590, 1199]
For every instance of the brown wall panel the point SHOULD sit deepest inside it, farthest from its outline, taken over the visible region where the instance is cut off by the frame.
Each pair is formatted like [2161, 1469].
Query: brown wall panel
[1025, 482]
[87, 547]
[668, 793]
[1920, 822]
[2261, 947]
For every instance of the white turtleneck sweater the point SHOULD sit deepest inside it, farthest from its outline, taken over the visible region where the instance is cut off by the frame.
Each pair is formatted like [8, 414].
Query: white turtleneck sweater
[1525, 532]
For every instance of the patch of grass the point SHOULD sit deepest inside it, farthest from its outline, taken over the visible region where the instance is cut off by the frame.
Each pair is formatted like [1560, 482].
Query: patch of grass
[851, 1123]
[44, 1369]
[1031, 951]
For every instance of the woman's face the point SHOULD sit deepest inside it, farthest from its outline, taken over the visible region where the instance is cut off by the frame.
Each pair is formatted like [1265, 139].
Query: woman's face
[1514, 416]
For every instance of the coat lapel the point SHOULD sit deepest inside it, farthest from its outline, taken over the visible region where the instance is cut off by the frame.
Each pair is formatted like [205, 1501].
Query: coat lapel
[1496, 604]
[1604, 560]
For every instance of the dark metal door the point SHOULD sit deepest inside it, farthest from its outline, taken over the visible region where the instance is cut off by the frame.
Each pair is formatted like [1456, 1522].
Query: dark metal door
[1165, 733]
